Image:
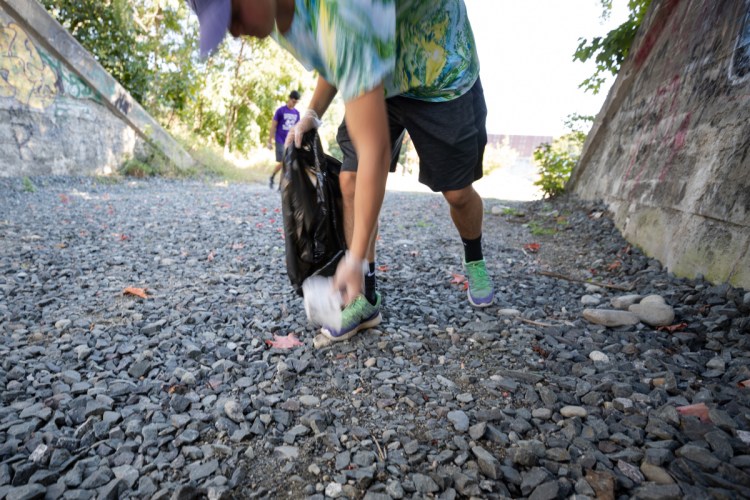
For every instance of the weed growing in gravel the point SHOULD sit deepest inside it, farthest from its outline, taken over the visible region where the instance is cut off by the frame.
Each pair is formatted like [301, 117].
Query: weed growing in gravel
[512, 212]
[28, 186]
[107, 180]
[538, 228]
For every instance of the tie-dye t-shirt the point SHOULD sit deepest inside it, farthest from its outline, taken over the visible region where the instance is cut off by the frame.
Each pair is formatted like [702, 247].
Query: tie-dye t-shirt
[423, 49]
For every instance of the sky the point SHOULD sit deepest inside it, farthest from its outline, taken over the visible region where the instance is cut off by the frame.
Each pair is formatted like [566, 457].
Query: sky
[526, 51]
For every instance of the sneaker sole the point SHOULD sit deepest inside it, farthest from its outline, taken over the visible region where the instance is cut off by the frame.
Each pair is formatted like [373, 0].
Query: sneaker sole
[362, 326]
[480, 305]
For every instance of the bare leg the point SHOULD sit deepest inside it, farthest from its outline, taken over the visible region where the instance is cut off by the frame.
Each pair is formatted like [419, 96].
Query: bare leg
[467, 211]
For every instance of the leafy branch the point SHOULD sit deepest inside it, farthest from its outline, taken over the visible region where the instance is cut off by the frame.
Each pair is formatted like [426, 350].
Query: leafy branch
[610, 51]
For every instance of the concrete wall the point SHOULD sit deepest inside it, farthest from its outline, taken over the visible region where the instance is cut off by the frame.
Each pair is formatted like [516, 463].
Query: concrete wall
[669, 151]
[61, 113]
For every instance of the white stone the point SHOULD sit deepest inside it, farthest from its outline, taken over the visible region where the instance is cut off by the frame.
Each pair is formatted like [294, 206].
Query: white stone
[590, 300]
[573, 411]
[624, 301]
[598, 356]
[653, 314]
[653, 299]
[610, 317]
[334, 490]
[508, 312]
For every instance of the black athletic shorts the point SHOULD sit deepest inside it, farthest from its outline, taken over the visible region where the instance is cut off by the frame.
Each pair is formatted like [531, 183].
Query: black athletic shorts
[449, 138]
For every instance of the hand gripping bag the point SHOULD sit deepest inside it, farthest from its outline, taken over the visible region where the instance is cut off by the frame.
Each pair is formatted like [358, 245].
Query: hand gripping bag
[312, 210]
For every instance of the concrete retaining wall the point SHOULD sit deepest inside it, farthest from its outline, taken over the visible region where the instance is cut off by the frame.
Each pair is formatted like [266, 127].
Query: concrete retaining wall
[669, 151]
[61, 113]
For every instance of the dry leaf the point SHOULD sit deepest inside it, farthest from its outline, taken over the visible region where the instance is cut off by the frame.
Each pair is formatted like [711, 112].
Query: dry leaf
[614, 265]
[745, 384]
[284, 342]
[699, 410]
[211, 256]
[532, 247]
[138, 292]
[458, 278]
[383, 268]
[672, 328]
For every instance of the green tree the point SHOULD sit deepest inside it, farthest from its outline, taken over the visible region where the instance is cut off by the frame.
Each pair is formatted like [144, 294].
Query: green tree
[109, 32]
[609, 51]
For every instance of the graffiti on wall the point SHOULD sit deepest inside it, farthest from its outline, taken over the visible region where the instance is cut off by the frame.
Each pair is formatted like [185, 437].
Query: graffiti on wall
[665, 116]
[24, 75]
[741, 60]
[31, 76]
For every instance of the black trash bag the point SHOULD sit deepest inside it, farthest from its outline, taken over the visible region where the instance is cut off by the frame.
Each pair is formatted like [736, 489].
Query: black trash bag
[312, 209]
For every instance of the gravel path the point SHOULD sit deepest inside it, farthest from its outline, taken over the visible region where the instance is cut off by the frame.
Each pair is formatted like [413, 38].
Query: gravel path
[179, 395]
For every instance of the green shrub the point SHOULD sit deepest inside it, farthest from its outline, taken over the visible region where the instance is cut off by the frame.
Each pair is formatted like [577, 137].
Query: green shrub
[137, 168]
[556, 161]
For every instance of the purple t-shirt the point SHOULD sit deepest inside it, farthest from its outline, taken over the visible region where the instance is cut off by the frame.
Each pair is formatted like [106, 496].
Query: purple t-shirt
[285, 119]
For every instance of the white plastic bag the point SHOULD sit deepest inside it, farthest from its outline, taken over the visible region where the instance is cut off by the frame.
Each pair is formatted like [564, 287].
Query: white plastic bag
[322, 302]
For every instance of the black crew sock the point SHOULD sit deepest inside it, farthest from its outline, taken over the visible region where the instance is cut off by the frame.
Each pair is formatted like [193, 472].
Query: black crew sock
[472, 249]
[370, 284]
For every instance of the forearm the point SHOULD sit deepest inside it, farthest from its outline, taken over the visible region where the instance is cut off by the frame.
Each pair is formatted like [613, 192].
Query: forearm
[367, 123]
[322, 96]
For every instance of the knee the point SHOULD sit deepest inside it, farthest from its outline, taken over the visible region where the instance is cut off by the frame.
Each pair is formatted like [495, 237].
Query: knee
[460, 197]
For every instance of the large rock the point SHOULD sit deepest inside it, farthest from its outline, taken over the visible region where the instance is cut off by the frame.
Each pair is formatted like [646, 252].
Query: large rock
[610, 317]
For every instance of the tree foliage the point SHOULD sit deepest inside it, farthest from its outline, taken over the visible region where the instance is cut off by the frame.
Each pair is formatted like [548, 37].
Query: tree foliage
[609, 51]
[151, 48]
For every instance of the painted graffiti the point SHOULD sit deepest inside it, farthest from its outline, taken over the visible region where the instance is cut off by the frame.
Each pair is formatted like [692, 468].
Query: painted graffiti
[24, 75]
[666, 128]
[68, 82]
[741, 59]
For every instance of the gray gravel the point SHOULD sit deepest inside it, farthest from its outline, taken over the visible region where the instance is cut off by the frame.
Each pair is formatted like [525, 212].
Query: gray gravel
[107, 395]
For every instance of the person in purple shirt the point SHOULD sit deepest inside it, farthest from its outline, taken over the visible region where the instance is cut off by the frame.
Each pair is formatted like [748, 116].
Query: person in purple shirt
[284, 119]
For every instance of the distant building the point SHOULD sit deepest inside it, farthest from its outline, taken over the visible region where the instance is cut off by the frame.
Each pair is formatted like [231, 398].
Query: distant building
[524, 145]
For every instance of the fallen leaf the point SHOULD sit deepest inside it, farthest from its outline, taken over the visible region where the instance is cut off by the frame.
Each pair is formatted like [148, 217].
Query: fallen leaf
[540, 351]
[284, 341]
[383, 268]
[211, 256]
[238, 246]
[138, 292]
[672, 328]
[458, 278]
[532, 247]
[699, 410]
[745, 384]
[614, 265]
[124, 237]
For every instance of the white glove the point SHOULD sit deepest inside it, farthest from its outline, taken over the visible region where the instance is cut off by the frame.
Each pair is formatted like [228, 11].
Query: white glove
[307, 122]
[349, 277]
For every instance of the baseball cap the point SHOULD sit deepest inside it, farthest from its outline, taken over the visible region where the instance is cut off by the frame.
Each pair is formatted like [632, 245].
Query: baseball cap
[214, 17]
[294, 95]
